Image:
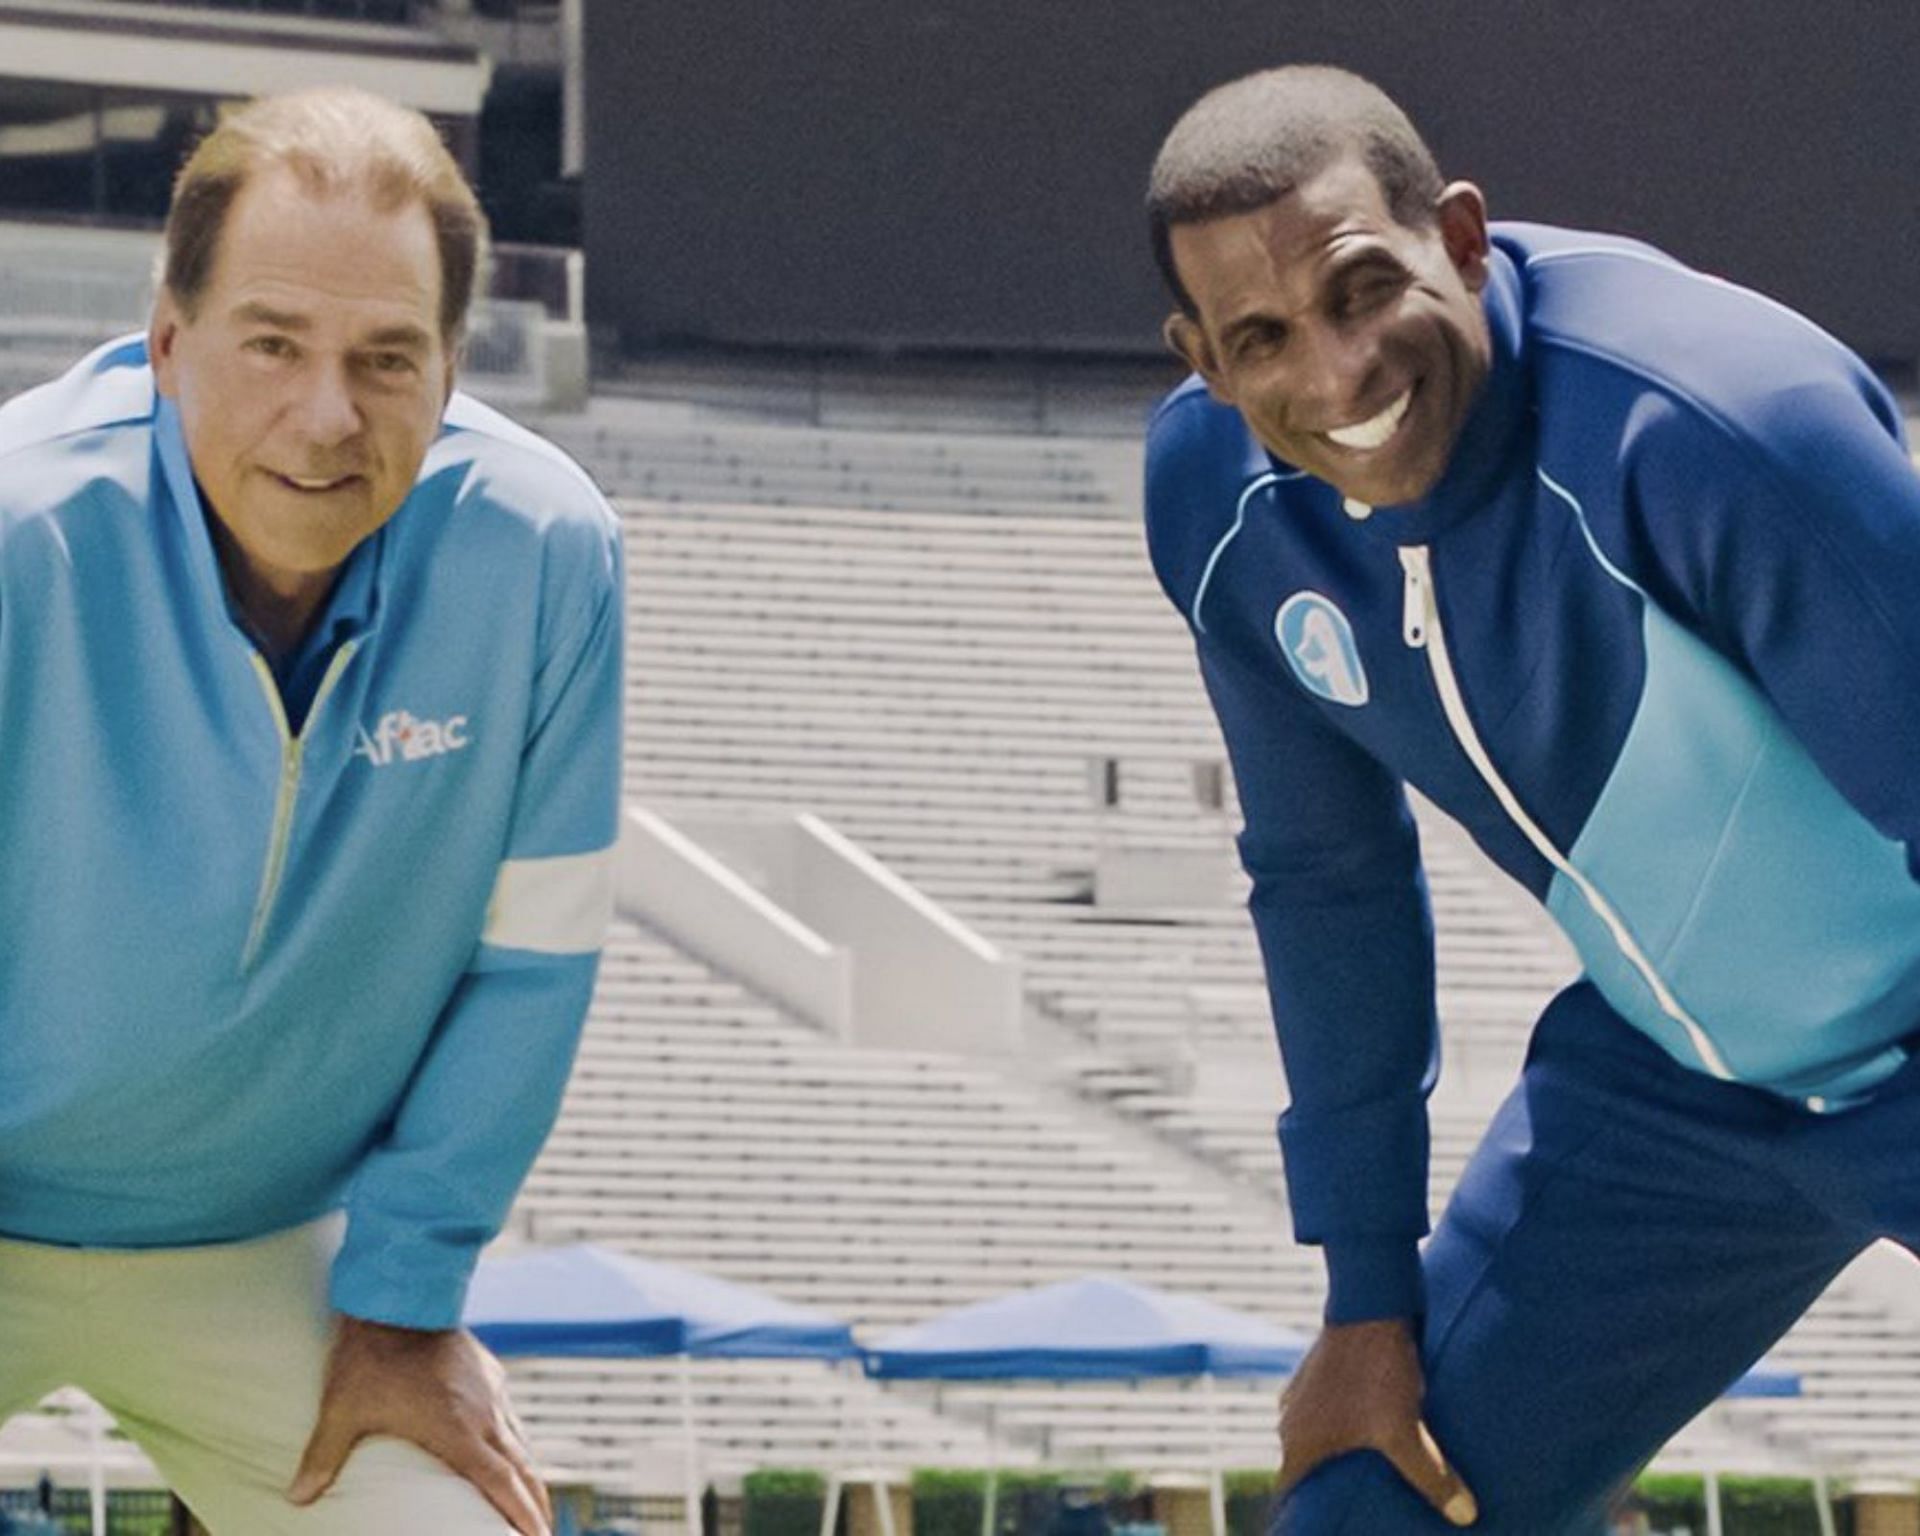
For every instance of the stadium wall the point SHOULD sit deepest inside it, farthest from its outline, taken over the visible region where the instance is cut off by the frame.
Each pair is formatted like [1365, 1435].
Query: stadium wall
[899, 174]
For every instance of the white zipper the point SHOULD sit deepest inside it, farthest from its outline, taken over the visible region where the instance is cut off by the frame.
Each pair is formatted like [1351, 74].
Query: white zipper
[1420, 627]
[292, 751]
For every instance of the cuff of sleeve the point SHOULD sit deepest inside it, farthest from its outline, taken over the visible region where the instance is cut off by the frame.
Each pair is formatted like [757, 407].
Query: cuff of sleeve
[1370, 1278]
[428, 1293]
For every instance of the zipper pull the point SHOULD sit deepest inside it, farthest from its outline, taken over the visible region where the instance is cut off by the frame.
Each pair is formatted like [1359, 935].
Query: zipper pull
[1417, 596]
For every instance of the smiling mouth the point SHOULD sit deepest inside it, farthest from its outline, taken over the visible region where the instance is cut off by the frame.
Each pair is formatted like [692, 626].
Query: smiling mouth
[1375, 431]
[312, 485]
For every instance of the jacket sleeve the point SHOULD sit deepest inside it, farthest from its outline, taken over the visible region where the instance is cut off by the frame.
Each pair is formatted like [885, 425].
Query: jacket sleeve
[488, 1088]
[1791, 541]
[1340, 908]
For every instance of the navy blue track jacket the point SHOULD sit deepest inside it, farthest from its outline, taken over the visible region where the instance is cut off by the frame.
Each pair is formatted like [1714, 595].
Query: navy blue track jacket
[1653, 640]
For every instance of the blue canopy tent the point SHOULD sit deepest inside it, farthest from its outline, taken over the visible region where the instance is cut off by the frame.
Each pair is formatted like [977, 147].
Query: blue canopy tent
[1104, 1328]
[1766, 1380]
[590, 1302]
[1100, 1328]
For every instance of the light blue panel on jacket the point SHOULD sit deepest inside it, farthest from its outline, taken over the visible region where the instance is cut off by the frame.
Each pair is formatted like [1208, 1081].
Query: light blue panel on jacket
[1781, 920]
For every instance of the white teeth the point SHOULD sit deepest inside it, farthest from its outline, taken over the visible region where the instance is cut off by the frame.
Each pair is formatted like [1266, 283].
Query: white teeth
[310, 485]
[1372, 433]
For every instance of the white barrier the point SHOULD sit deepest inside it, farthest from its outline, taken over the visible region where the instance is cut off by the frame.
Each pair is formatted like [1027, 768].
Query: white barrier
[922, 980]
[669, 882]
[797, 912]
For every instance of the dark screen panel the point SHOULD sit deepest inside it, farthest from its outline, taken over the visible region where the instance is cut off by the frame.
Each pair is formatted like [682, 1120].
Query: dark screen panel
[967, 173]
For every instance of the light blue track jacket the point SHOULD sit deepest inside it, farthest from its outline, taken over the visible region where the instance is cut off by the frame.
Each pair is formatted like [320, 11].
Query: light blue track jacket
[248, 976]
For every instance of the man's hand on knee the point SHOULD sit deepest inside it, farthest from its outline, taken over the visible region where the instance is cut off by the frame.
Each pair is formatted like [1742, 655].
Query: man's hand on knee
[443, 1392]
[1360, 1389]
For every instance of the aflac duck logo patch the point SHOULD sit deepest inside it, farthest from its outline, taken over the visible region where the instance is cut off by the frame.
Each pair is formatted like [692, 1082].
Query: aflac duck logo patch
[1318, 642]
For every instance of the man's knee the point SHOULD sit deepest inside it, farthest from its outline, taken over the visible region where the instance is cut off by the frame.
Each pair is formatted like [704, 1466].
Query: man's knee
[1355, 1495]
[394, 1485]
[386, 1485]
[1361, 1495]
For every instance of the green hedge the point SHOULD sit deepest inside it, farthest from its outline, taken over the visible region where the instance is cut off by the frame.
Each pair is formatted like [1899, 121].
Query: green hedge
[1249, 1501]
[1025, 1502]
[1754, 1506]
[948, 1503]
[782, 1502]
[938, 1482]
[1017, 1481]
[787, 1502]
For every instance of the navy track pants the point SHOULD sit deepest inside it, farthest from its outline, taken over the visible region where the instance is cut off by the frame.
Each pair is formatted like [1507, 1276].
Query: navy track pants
[1629, 1238]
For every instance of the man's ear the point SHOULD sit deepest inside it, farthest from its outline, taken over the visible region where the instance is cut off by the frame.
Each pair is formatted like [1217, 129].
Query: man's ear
[163, 336]
[1463, 230]
[1188, 338]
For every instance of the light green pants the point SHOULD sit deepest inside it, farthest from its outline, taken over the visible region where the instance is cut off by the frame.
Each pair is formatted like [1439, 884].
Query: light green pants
[211, 1359]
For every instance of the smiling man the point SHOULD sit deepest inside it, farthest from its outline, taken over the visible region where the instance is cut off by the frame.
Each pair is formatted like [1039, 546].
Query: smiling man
[1614, 563]
[309, 736]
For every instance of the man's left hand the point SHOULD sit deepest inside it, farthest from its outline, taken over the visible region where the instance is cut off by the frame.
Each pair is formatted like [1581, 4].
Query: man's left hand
[440, 1390]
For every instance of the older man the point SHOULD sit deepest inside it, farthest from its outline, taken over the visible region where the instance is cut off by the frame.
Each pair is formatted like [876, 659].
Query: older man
[1616, 563]
[309, 731]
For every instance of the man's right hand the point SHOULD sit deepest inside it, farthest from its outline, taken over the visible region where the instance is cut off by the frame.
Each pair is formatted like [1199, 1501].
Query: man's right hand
[1360, 1389]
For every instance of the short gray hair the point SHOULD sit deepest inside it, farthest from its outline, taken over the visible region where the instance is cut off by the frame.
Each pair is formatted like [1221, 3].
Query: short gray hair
[334, 138]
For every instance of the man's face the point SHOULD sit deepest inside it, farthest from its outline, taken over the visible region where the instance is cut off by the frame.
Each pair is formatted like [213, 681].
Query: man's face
[1353, 346]
[312, 377]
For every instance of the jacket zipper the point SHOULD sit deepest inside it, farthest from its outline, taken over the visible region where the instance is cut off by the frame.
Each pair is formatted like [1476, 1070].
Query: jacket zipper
[1420, 628]
[292, 751]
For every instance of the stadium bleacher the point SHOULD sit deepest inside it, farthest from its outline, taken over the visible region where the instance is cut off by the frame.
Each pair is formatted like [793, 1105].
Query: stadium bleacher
[934, 660]
[912, 599]
[935, 682]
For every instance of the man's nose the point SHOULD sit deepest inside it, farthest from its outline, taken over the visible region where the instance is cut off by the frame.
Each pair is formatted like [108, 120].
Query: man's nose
[327, 411]
[1337, 368]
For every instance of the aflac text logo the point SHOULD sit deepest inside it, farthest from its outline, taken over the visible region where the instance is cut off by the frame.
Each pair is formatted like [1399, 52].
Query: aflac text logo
[400, 735]
[1318, 642]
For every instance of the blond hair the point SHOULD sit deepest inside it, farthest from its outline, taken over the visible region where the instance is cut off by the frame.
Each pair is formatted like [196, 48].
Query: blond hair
[336, 139]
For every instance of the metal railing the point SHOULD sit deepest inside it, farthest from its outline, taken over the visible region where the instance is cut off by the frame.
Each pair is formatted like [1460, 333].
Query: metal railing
[53, 306]
[506, 356]
[549, 275]
[79, 300]
[130, 1511]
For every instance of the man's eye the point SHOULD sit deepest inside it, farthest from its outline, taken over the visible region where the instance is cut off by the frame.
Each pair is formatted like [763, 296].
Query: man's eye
[391, 362]
[1259, 341]
[270, 346]
[1369, 294]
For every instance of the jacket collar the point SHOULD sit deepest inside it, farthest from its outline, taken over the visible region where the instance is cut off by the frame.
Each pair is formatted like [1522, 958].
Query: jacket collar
[354, 604]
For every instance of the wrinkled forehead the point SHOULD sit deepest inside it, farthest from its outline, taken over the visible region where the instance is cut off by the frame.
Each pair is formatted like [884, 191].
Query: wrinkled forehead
[292, 246]
[1283, 255]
